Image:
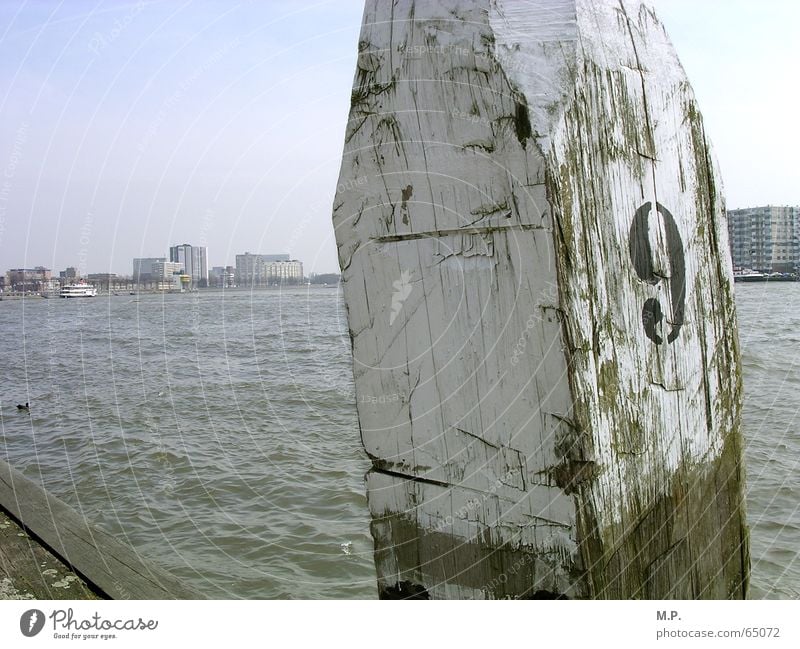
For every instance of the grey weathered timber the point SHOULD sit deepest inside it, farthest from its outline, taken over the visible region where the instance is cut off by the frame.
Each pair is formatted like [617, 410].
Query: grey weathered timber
[29, 571]
[532, 239]
[108, 567]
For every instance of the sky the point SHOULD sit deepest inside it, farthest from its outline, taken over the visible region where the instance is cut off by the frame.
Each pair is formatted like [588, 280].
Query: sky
[127, 127]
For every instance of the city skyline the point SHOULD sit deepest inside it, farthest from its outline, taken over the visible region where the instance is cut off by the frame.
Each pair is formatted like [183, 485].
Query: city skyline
[139, 124]
[772, 230]
[162, 258]
[186, 269]
[176, 257]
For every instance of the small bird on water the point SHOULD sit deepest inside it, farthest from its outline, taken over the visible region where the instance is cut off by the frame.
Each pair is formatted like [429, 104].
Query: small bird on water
[21, 407]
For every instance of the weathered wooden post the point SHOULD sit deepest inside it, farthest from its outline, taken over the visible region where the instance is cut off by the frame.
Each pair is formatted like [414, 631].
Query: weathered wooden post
[534, 255]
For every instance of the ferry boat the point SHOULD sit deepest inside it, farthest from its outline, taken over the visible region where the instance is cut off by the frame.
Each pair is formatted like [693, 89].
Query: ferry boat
[79, 290]
[747, 275]
[754, 276]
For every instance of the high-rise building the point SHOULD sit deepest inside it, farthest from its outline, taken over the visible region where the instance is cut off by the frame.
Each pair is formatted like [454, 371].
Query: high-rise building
[249, 270]
[194, 262]
[766, 239]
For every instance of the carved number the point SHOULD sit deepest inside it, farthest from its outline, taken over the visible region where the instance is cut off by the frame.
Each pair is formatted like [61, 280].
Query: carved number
[642, 256]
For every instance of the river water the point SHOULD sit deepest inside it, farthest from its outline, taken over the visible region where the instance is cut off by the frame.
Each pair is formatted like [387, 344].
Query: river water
[216, 432]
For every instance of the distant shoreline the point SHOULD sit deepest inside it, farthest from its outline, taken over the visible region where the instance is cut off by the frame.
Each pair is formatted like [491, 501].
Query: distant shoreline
[127, 293]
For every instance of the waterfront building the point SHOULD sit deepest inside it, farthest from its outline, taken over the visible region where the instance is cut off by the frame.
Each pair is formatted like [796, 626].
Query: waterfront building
[222, 277]
[193, 260]
[164, 270]
[143, 268]
[765, 239]
[249, 270]
[29, 280]
[229, 277]
[264, 270]
[285, 272]
[68, 276]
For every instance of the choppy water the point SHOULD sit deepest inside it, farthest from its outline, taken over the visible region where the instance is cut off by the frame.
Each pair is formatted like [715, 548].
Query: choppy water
[216, 432]
[769, 331]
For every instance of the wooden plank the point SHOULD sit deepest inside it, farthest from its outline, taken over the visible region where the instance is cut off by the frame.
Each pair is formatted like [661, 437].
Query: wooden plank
[109, 567]
[534, 260]
[29, 571]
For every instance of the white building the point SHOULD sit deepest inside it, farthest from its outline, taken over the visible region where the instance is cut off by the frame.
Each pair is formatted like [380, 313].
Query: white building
[765, 238]
[290, 271]
[164, 270]
[265, 270]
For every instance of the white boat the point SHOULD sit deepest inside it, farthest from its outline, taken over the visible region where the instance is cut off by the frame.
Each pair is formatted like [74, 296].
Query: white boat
[79, 290]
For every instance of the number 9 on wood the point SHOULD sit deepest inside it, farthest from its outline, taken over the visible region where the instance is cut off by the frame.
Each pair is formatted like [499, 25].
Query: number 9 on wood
[648, 269]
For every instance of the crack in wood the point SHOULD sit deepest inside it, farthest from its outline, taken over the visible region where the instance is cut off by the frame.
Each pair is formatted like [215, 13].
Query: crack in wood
[434, 234]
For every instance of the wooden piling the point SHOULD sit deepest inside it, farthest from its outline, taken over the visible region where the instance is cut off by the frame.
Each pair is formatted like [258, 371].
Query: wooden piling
[535, 265]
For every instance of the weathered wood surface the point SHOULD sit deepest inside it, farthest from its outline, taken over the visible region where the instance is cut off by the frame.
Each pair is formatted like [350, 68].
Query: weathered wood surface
[532, 240]
[108, 567]
[29, 571]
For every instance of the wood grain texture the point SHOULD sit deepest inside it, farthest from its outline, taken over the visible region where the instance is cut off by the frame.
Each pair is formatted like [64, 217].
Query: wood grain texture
[532, 240]
[108, 567]
[29, 571]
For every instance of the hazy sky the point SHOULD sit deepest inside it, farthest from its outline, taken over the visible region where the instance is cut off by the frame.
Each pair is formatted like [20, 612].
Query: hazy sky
[127, 127]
